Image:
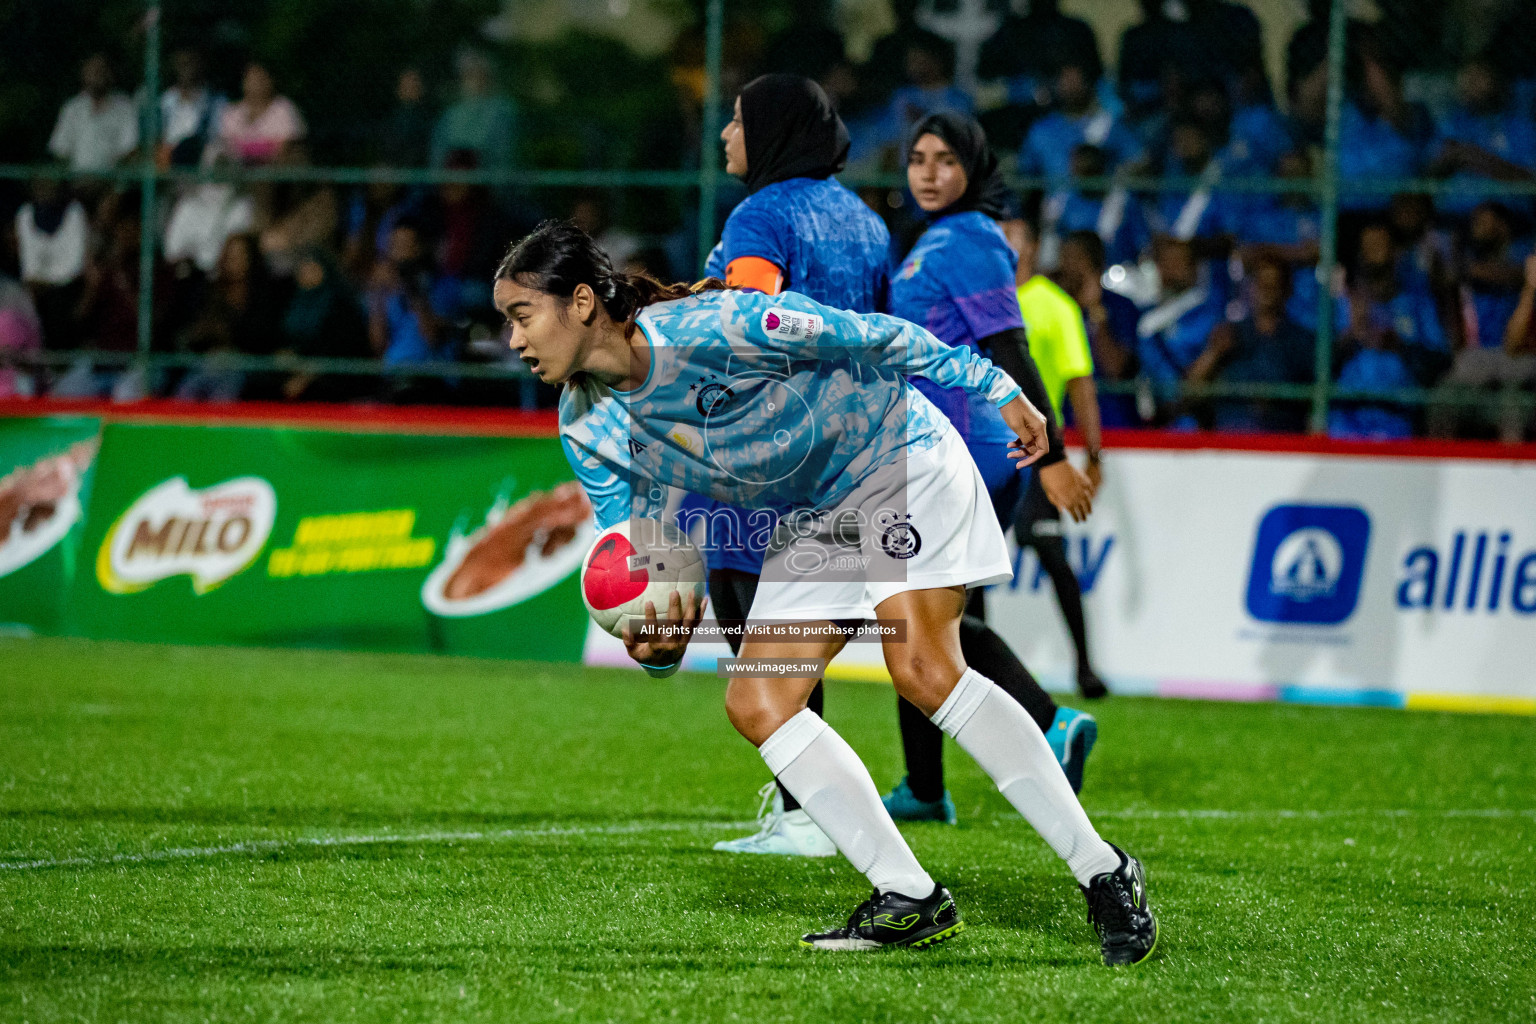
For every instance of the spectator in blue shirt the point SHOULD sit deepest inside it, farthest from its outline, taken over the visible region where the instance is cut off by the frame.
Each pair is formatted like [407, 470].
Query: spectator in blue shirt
[886, 69]
[1204, 215]
[1286, 227]
[1482, 138]
[1492, 270]
[1381, 134]
[1026, 47]
[1021, 59]
[411, 308]
[929, 88]
[1115, 214]
[1262, 345]
[1180, 41]
[1110, 319]
[367, 222]
[1204, 102]
[1427, 251]
[1259, 135]
[1163, 46]
[1077, 119]
[1497, 295]
[1372, 370]
[1390, 336]
[1381, 309]
[1172, 333]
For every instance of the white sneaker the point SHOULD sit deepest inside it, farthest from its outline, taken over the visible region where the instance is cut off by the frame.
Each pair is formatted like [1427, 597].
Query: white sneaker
[787, 833]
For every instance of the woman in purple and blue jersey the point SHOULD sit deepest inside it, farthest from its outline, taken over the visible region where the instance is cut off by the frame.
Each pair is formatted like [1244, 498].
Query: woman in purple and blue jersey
[958, 282]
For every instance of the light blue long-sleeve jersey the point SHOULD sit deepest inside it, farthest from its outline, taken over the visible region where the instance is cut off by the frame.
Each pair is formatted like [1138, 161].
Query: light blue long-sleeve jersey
[763, 401]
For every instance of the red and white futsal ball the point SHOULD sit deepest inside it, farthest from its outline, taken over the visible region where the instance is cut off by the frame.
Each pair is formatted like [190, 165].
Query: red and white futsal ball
[636, 561]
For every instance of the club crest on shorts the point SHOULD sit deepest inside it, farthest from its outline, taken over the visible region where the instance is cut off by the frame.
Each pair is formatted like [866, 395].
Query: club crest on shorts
[901, 539]
[779, 322]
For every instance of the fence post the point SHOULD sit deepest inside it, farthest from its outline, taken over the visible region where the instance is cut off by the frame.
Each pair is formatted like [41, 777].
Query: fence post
[1328, 248]
[709, 142]
[149, 137]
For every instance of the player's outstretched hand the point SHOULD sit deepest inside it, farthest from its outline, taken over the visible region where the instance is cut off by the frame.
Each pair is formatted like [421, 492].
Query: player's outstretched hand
[1068, 489]
[1025, 420]
[660, 650]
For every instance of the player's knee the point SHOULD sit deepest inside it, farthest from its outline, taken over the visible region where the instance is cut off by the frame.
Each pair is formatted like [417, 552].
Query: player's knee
[756, 711]
[922, 677]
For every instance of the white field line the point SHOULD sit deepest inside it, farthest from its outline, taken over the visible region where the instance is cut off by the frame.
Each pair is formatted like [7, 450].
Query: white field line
[1372, 812]
[262, 846]
[258, 846]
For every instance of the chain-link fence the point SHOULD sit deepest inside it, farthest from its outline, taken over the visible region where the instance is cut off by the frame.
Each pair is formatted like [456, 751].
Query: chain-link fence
[1280, 217]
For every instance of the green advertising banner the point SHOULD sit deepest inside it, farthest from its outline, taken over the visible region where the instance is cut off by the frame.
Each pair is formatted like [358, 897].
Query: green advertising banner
[283, 536]
[46, 470]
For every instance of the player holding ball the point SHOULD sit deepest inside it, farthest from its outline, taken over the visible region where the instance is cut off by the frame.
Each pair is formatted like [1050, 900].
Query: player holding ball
[874, 477]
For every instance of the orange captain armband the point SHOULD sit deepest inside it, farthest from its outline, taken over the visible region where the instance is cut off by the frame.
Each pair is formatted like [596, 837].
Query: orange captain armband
[756, 273]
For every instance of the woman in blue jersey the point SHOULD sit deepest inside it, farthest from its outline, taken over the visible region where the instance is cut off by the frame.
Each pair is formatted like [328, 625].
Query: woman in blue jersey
[800, 230]
[797, 230]
[813, 416]
[958, 281]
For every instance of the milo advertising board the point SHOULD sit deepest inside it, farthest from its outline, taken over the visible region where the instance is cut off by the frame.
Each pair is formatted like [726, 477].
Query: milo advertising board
[277, 536]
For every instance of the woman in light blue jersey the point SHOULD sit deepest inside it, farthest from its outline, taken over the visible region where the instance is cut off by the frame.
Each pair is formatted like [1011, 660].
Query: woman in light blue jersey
[888, 519]
[798, 230]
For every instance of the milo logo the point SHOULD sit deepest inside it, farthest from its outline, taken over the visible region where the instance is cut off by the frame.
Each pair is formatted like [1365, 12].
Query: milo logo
[172, 530]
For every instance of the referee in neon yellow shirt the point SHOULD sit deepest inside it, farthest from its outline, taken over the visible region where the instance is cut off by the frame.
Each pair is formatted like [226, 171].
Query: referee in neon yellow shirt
[1058, 341]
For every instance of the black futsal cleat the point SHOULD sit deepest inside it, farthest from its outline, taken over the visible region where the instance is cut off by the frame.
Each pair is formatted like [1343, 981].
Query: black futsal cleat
[1118, 911]
[891, 919]
[1090, 685]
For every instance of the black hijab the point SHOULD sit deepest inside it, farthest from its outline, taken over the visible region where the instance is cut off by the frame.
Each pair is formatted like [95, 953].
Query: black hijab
[985, 189]
[791, 131]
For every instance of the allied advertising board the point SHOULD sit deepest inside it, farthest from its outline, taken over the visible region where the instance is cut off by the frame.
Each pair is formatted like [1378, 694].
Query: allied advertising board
[1283, 576]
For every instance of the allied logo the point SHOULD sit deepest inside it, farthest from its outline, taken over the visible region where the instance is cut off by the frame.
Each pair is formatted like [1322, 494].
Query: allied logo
[901, 539]
[1308, 564]
[787, 323]
[174, 530]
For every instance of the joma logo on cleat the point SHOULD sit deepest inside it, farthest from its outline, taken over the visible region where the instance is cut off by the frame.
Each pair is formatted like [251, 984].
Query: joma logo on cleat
[907, 922]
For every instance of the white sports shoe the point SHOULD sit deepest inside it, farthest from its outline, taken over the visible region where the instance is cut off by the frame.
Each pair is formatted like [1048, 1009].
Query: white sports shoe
[787, 833]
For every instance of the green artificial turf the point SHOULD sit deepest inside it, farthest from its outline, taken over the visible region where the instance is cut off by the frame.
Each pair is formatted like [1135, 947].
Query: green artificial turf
[443, 839]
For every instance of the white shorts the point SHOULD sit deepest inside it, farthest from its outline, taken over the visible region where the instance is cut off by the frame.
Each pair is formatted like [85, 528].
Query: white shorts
[922, 524]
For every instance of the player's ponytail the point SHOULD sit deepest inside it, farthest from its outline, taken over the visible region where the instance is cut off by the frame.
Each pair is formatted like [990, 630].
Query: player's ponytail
[557, 256]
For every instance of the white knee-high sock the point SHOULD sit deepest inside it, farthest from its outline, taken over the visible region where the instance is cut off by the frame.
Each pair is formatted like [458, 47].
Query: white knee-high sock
[833, 786]
[1000, 735]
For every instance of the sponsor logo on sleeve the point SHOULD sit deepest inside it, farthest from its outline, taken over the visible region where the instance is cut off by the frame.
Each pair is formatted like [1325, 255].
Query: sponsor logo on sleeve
[779, 322]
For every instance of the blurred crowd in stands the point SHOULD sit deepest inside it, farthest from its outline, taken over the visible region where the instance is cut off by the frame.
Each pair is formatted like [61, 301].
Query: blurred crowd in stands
[1211, 277]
